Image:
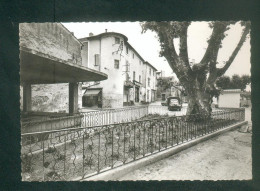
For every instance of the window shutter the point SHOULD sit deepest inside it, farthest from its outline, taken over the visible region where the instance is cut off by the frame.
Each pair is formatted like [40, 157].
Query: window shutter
[97, 59]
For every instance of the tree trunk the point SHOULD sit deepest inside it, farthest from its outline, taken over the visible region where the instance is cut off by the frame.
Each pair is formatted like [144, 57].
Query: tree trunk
[199, 101]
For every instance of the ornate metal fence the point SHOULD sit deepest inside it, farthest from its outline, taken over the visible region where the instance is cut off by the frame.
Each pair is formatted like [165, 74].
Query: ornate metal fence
[81, 152]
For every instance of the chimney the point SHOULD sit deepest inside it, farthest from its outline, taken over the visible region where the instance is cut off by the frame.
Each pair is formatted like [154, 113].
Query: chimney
[90, 34]
[72, 33]
[106, 30]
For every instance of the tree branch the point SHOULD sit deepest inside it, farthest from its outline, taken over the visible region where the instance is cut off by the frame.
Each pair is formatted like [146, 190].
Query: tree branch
[168, 51]
[214, 42]
[183, 45]
[212, 68]
[166, 32]
[222, 70]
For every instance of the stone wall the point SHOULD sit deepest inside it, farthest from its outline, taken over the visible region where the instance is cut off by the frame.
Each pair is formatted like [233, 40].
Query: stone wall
[50, 40]
[112, 101]
[50, 97]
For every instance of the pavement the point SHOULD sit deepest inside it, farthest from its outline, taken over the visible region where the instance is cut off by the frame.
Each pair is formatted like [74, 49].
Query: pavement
[226, 157]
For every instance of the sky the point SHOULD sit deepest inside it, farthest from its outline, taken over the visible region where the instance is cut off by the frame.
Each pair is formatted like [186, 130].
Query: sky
[148, 47]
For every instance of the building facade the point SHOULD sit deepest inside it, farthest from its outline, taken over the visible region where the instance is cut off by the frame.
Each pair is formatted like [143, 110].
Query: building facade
[229, 98]
[131, 79]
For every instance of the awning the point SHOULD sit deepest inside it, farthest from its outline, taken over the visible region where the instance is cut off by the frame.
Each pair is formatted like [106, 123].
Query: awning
[137, 83]
[91, 92]
[38, 69]
[128, 84]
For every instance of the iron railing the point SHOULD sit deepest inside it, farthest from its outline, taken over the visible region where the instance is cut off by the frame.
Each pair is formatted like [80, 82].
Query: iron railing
[92, 118]
[82, 152]
[111, 116]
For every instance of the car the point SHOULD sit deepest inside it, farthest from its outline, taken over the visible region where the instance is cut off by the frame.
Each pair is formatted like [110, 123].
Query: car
[164, 103]
[174, 103]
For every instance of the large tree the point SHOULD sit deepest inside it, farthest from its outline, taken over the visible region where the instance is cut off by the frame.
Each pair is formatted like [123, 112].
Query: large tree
[198, 79]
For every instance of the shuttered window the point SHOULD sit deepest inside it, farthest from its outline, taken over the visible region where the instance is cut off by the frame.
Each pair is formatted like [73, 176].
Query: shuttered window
[116, 64]
[97, 60]
[117, 40]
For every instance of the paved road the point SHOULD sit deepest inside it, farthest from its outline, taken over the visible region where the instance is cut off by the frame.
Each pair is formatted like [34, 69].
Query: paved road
[164, 109]
[226, 157]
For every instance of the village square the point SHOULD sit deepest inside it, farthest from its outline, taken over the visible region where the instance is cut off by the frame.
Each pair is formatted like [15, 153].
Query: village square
[131, 101]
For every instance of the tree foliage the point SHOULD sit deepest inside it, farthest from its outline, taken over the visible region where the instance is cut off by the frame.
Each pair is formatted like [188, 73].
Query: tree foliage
[223, 82]
[199, 79]
[235, 82]
[165, 83]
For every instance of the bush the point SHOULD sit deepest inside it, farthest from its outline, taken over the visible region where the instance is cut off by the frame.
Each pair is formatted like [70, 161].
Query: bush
[152, 116]
[51, 150]
[26, 163]
[115, 156]
[53, 175]
[89, 162]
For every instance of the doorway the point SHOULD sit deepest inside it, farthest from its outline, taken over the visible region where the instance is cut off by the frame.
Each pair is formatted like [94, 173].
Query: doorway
[137, 94]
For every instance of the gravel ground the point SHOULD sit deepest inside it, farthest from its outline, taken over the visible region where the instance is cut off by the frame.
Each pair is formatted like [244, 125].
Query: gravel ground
[226, 157]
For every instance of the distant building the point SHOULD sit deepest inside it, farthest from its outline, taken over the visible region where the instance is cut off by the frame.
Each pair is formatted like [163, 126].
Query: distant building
[131, 79]
[248, 88]
[229, 98]
[161, 91]
[160, 74]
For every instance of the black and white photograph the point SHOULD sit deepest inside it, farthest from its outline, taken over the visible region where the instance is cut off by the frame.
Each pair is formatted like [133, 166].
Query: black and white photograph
[148, 100]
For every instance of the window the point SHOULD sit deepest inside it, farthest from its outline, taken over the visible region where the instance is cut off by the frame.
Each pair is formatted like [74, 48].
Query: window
[97, 60]
[148, 95]
[127, 66]
[133, 75]
[116, 64]
[150, 71]
[140, 78]
[148, 82]
[133, 55]
[117, 40]
[126, 49]
[140, 62]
